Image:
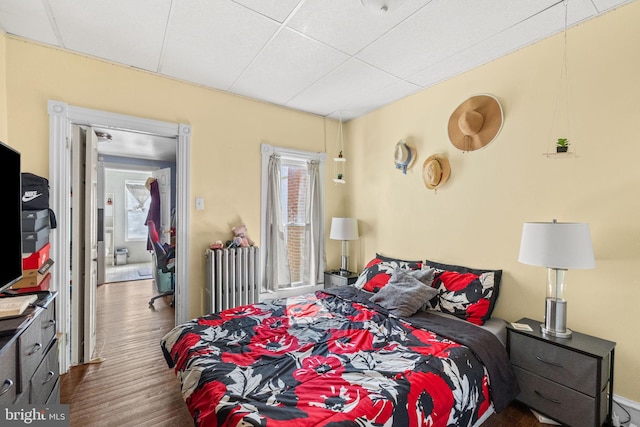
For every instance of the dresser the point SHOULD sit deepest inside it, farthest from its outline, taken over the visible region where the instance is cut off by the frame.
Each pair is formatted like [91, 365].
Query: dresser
[339, 278]
[567, 379]
[29, 355]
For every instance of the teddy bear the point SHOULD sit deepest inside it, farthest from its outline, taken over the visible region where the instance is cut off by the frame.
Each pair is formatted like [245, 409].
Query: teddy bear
[240, 236]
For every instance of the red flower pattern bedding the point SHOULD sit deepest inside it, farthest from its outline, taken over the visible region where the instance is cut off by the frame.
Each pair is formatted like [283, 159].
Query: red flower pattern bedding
[332, 360]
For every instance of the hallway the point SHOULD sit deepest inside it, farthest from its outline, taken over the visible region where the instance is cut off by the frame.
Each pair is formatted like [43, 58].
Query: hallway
[128, 272]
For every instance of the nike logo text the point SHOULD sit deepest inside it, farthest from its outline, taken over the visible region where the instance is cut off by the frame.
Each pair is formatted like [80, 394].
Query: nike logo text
[30, 195]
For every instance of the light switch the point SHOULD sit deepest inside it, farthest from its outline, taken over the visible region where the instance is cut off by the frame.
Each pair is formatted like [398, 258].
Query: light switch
[199, 203]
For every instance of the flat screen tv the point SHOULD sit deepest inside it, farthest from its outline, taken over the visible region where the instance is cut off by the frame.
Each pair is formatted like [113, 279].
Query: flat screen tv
[11, 193]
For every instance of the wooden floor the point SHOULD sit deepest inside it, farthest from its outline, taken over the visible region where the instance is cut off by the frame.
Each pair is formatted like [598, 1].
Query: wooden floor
[133, 385]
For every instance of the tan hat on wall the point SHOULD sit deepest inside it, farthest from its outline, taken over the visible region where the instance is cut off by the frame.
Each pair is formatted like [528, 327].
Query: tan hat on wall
[476, 122]
[435, 171]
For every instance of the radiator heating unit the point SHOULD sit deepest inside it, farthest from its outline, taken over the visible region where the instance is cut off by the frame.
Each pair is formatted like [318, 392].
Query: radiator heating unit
[232, 277]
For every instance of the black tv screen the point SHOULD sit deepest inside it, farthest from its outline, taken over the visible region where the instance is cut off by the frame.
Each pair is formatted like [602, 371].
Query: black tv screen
[11, 193]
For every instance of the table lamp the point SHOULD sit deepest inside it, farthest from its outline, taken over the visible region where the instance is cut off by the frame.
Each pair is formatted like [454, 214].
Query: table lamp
[559, 247]
[344, 229]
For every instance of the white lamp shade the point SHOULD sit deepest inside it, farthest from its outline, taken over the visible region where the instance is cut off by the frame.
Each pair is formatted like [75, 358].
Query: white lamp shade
[557, 245]
[344, 229]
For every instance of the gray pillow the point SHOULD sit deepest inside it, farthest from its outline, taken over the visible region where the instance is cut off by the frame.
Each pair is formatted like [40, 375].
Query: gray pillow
[425, 276]
[404, 294]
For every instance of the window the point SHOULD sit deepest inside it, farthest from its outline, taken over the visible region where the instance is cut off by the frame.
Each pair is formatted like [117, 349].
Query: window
[292, 218]
[294, 202]
[137, 205]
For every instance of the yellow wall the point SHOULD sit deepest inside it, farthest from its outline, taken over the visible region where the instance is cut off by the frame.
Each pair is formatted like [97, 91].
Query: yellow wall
[227, 132]
[3, 89]
[476, 218]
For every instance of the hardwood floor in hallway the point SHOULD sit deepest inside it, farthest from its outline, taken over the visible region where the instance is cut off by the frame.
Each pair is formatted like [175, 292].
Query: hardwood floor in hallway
[133, 385]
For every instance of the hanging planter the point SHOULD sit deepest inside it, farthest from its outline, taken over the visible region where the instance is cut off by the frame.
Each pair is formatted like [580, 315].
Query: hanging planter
[339, 162]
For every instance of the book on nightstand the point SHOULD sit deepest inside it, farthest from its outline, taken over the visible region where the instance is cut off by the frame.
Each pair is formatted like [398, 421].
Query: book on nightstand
[15, 306]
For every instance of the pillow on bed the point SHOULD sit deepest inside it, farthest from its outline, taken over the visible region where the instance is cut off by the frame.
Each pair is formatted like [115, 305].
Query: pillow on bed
[377, 272]
[467, 293]
[404, 294]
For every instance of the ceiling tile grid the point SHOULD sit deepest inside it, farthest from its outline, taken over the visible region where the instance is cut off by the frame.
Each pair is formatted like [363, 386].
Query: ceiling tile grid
[334, 58]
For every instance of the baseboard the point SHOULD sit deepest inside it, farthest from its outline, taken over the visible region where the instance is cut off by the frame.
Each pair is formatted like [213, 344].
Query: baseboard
[631, 406]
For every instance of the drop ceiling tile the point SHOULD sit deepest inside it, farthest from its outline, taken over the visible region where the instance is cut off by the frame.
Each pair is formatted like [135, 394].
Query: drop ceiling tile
[603, 5]
[122, 31]
[211, 43]
[442, 28]
[375, 100]
[536, 28]
[278, 10]
[347, 25]
[289, 64]
[345, 85]
[27, 19]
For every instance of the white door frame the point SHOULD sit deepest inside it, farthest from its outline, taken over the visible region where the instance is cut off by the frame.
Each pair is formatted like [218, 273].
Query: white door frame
[61, 117]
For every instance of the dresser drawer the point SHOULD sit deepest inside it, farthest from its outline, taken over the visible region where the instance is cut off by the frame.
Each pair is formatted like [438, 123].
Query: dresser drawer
[8, 375]
[54, 397]
[566, 367]
[31, 348]
[46, 376]
[554, 400]
[48, 324]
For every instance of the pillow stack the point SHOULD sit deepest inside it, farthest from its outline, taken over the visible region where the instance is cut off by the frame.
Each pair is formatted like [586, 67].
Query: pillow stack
[404, 287]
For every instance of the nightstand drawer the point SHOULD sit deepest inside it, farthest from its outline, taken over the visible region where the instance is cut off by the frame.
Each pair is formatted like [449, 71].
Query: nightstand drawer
[569, 368]
[561, 403]
[337, 278]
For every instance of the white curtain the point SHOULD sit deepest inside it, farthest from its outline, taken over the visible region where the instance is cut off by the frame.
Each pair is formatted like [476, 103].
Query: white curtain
[314, 257]
[140, 193]
[276, 268]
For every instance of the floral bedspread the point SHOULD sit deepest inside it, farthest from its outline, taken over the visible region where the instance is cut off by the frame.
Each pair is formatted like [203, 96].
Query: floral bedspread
[323, 360]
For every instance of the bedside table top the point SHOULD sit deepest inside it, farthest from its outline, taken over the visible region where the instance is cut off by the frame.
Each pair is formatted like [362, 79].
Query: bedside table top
[580, 342]
[341, 273]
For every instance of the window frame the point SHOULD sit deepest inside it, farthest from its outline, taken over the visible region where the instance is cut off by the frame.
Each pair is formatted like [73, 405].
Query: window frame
[144, 234]
[287, 155]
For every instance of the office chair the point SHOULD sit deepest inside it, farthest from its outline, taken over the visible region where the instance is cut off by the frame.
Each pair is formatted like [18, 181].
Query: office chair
[164, 258]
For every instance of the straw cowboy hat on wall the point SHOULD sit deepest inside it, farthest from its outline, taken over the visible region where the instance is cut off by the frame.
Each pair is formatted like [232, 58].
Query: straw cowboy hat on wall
[435, 171]
[475, 123]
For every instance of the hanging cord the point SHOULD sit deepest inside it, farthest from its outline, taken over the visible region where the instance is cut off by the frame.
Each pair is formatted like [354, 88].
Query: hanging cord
[340, 135]
[564, 74]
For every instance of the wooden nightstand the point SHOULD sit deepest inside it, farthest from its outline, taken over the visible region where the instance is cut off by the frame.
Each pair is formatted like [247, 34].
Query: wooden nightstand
[567, 379]
[339, 278]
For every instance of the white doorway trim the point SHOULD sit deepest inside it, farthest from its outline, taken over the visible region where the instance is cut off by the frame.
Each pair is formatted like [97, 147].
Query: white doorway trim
[61, 117]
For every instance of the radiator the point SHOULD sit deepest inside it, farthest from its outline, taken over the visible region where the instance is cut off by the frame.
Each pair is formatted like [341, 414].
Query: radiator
[232, 278]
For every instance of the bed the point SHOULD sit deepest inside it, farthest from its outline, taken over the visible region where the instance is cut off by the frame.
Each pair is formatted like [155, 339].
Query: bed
[347, 356]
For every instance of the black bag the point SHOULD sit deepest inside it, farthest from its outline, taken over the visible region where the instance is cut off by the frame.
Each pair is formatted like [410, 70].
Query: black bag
[35, 192]
[35, 195]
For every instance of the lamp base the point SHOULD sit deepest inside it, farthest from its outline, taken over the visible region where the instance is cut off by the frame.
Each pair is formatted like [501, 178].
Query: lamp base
[555, 319]
[559, 334]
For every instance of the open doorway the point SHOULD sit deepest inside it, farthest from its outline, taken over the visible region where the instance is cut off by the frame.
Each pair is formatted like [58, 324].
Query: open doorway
[62, 117]
[124, 255]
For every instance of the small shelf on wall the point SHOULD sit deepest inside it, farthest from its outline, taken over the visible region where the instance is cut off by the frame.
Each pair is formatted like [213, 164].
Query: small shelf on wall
[560, 155]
